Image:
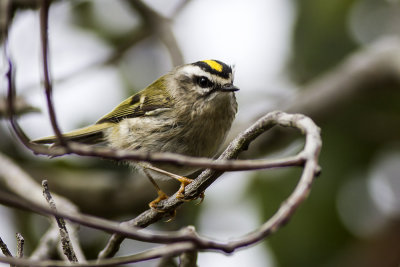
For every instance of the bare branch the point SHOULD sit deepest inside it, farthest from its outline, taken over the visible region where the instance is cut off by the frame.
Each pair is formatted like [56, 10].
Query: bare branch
[171, 158]
[310, 154]
[65, 240]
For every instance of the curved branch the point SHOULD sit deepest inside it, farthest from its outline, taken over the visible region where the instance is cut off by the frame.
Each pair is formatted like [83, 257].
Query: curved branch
[130, 229]
[44, 24]
[309, 154]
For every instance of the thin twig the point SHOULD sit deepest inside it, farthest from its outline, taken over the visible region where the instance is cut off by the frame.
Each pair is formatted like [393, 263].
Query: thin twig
[4, 248]
[65, 240]
[170, 249]
[6, 251]
[20, 245]
[44, 24]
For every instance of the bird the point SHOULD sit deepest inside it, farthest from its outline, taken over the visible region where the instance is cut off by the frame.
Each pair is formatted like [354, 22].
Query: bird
[188, 111]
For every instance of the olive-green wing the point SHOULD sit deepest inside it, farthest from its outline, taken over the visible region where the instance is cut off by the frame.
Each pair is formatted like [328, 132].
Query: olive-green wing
[152, 98]
[89, 135]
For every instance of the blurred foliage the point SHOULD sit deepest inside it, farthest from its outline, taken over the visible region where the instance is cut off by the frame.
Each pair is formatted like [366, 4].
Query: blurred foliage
[321, 37]
[305, 240]
[353, 134]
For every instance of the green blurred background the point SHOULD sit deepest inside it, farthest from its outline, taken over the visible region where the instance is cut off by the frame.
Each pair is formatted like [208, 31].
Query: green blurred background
[284, 52]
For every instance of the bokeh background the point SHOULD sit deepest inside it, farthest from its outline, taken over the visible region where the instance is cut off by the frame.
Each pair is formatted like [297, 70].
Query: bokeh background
[285, 52]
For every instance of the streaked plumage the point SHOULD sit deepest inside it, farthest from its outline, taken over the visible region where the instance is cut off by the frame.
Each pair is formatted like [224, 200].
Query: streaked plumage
[188, 111]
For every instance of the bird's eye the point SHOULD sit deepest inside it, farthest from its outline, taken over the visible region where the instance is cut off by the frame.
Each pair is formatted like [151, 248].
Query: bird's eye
[204, 82]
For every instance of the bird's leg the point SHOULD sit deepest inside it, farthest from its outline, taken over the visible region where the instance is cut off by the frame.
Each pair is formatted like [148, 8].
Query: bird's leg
[183, 180]
[161, 194]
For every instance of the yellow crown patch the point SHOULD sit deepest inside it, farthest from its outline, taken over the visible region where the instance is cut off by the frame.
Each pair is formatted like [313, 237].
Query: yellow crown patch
[214, 65]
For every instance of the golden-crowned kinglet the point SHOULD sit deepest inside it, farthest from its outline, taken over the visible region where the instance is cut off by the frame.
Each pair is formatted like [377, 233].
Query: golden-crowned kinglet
[187, 111]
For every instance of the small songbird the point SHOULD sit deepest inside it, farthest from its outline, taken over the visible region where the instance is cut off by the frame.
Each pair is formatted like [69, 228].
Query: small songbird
[187, 111]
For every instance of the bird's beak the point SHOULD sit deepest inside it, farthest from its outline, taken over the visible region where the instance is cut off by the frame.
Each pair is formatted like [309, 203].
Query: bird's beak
[228, 87]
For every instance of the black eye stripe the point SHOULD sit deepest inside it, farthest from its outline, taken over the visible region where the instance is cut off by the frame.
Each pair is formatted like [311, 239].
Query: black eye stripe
[203, 82]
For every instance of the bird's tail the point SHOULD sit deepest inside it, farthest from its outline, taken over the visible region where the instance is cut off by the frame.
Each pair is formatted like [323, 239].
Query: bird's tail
[92, 134]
